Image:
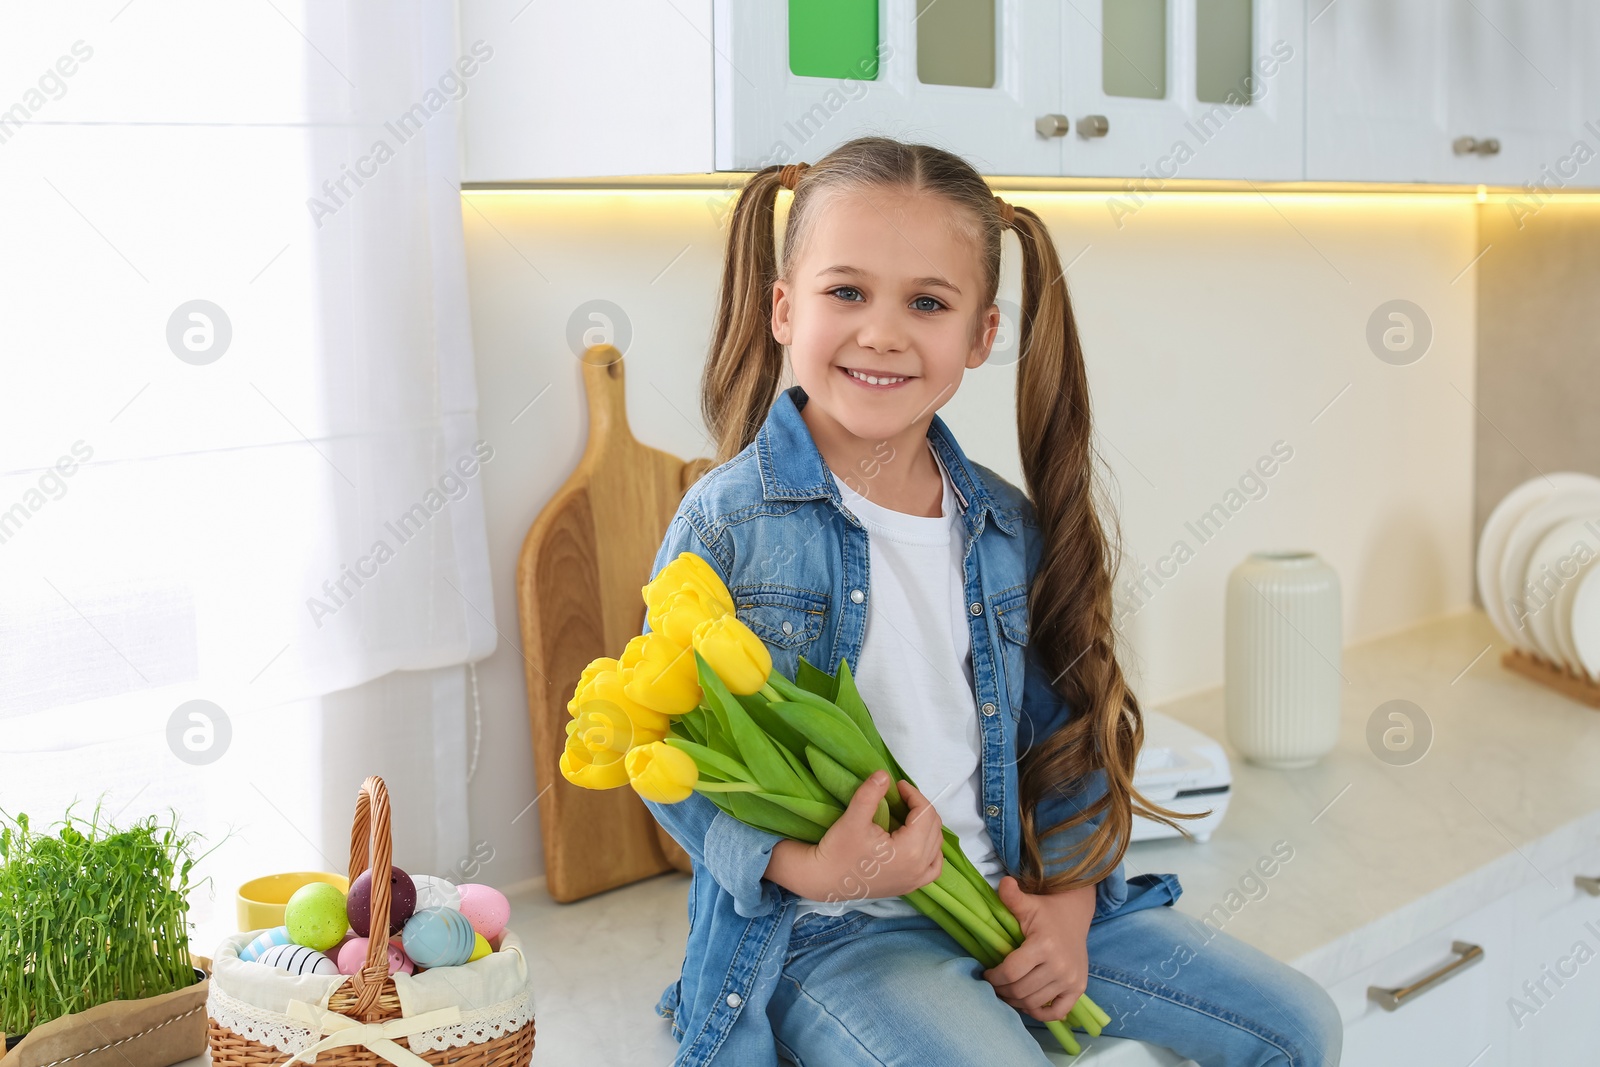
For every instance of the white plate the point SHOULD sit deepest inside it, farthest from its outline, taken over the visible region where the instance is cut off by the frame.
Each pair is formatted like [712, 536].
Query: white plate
[1564, 504]
[1564, 613]
[1585, 621]
[1497, 530]
[1556, 564]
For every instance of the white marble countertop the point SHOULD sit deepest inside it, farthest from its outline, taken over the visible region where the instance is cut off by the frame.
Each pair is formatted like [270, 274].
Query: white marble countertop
[1385, 853]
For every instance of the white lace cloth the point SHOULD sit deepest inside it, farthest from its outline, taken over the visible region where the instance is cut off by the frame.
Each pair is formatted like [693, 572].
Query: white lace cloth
[494, 997]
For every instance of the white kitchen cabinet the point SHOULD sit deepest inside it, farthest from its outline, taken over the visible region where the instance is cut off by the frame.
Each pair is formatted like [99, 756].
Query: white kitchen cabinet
[1460, 1020]
[1551, 1006]
[972, 76]
[1393, 85]
[1185, 89]
[1515, 75]
[1348, 90]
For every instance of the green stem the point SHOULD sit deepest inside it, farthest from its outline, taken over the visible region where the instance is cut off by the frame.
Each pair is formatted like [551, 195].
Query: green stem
[920, 900]
[958, 887]
[983, 932]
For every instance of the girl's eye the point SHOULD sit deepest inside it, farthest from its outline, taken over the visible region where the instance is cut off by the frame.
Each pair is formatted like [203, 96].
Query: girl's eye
[843, 289]
[937, 304]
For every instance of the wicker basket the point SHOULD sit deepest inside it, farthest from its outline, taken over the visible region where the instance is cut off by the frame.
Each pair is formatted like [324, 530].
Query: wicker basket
[363, 1023]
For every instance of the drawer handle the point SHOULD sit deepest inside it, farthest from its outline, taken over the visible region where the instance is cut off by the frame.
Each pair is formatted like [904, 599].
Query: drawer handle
[1588, 884]
[1395, 999]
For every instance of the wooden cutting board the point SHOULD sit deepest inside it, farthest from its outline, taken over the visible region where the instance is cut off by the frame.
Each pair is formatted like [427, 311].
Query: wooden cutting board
[578, 579]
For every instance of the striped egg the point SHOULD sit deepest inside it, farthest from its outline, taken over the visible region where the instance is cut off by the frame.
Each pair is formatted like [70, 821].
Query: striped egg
[438, 937]
[297, 959]
[252, 952]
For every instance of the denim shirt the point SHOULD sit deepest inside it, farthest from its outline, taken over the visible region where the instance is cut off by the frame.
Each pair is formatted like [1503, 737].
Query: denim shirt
[771, 523]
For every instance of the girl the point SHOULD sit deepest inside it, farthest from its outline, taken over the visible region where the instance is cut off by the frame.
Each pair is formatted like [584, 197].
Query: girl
[848, 524]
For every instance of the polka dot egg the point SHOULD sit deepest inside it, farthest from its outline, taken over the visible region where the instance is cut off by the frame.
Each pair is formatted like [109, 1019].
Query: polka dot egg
[438, 937]
[486, 908]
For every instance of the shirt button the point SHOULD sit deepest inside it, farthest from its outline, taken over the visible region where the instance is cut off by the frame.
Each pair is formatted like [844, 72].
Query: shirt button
[988, 709]
[976, 609]
[788, 627]
[992, 809]
[734, 1000]
[857, 595]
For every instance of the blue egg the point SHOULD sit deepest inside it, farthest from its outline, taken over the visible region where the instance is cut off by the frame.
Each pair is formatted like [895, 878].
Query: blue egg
[438, 937]
[252, 952]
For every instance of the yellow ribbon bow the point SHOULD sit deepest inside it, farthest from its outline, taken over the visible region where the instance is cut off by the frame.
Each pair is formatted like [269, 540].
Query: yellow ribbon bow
[379, 1037]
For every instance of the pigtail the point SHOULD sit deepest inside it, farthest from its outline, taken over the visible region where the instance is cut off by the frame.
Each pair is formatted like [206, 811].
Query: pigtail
[745, 364]
[1070, 610]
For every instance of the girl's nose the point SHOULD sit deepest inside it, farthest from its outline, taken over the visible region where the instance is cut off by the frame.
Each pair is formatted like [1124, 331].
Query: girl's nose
[883, 332]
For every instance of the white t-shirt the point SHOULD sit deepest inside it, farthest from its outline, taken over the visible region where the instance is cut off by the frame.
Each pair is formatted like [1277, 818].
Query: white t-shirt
[916, 674]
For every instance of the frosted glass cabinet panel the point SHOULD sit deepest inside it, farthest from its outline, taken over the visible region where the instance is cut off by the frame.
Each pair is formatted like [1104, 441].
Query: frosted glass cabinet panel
[956, 42]
[1157, 90]
[972, 76]
[1133, 48]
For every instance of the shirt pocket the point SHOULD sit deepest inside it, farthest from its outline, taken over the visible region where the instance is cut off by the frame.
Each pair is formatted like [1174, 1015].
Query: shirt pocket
[1010, 608]
[783, 616]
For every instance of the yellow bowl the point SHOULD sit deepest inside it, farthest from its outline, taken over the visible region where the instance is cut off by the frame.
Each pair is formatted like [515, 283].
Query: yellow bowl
[261, 900]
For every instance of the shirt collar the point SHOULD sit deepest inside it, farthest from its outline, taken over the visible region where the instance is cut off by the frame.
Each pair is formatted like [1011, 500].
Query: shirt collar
[792, 468]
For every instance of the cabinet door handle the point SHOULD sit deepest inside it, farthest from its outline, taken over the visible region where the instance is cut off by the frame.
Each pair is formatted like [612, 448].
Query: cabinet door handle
[1395, 999]
[1052, 125]
[1470, 146]
[1588, 884]
[1093, 126]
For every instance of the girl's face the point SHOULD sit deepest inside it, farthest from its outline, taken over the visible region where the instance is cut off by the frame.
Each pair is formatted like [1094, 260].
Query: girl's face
[885, 285]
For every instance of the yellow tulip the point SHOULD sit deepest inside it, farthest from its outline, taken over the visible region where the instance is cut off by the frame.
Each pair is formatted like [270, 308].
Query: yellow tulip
[676, 614]
[597, 743]
[609, 685]
[603, 663]
[687, 570]
[661, 773]
[734, 653]
[660, 674]
[579, 768]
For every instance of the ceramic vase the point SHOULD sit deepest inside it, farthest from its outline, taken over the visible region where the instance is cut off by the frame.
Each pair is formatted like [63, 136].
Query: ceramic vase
[1282, 682]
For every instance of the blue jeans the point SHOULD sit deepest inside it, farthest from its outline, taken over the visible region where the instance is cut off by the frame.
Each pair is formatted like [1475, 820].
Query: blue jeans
[875, 991]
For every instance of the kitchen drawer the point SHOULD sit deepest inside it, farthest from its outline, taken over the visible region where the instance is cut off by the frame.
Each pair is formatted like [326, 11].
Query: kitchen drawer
[1462, 1020]
[1550, 1007]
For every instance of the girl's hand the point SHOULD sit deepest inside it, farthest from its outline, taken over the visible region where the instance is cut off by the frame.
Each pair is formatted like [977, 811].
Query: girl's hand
[1046, 974]
[858, 859]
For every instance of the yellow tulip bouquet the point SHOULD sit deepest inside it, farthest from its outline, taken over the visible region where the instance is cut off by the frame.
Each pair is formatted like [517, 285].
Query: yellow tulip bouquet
[782, 755]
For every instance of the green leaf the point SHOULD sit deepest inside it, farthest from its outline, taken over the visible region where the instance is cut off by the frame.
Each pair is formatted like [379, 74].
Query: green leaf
[848, 698]
[834, 734]
[780, 731]
[823, 813]
[710, 759]
[763, 814]
[810, 677]
[757, 750]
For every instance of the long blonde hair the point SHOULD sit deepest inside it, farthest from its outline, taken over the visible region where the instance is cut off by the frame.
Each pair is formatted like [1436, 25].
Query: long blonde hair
[1070, 597]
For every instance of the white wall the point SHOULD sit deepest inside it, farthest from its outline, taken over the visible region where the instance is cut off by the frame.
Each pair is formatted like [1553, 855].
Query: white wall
[1215, 324]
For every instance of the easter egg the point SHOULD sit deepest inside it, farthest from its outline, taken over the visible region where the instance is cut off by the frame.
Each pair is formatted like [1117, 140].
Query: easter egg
[480, 948]
[297, 959]
[353, 957]
[485, 907]
[435, 892]
[438, 937]
[315, 916]
[276, 936]
[402, 901]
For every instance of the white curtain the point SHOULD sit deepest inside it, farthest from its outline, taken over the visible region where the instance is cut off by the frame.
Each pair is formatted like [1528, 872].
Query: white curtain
[238, 435]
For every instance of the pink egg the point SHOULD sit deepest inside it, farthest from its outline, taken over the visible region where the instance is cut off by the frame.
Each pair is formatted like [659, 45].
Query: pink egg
[486, 908]
[353, 956]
